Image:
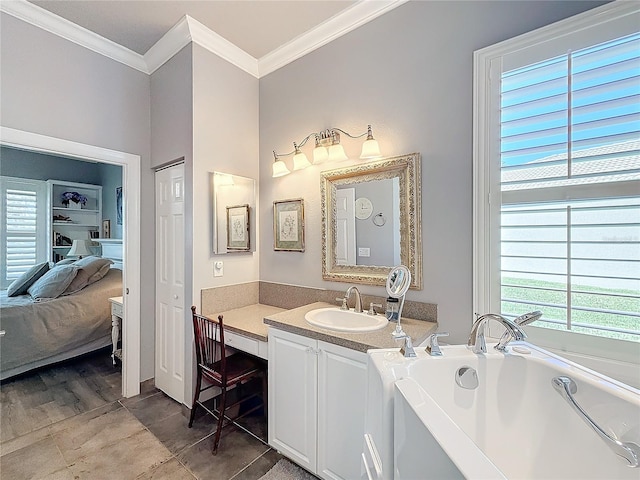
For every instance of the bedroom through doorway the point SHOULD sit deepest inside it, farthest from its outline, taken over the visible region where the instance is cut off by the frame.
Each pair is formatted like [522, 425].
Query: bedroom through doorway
[106, 163]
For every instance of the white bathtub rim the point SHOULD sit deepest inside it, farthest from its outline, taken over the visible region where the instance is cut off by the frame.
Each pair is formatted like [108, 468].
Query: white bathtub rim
[390, 364]
[580, 372]
[463, 350]
[459, 447]
[628, 391]
[454, 441]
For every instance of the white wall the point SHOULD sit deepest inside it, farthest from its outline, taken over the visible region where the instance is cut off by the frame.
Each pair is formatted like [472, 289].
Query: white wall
[172, 140]
[110, 179]
[225, 139]
[53, 87]
[409, 74]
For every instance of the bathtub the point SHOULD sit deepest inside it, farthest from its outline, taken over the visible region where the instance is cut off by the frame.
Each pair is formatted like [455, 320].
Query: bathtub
[513, 425]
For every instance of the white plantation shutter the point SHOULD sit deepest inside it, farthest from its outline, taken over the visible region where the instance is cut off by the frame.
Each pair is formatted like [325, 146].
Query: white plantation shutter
[570, 237]
[23, 227]
[557, 181]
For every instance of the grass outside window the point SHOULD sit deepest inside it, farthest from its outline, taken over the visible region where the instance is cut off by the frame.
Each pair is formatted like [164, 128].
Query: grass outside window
[593, 309]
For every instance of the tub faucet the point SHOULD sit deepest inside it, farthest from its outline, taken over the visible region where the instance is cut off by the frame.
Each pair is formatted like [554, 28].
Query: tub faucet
[407, 349]
[347, 295]
[477, 340]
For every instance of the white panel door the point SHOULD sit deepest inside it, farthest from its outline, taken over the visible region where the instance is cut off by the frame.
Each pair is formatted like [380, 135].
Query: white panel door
[293, 396]
[170, 301]
[346, 226]
[342, 389]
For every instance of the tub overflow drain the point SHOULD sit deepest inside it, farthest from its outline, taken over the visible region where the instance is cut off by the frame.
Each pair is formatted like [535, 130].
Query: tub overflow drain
[467, 377]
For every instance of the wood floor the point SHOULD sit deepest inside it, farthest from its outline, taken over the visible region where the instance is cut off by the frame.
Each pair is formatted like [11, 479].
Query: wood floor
[69, 421]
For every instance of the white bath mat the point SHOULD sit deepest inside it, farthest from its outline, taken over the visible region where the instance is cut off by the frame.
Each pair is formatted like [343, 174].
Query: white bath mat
[286, 470]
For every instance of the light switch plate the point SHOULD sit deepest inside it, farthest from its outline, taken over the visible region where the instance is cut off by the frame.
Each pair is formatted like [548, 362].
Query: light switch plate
[218, 268]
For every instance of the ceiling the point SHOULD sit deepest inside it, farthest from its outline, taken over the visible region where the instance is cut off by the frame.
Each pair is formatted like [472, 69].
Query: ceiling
[256, 26]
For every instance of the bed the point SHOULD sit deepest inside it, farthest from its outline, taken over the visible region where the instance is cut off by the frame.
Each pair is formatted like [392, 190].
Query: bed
[45, 332]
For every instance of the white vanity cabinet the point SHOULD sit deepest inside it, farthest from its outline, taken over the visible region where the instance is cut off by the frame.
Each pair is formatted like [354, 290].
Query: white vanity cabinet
[316, 404]
[293, 396]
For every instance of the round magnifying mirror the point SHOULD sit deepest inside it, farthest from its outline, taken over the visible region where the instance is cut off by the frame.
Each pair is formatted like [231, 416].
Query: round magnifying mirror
[398, 281]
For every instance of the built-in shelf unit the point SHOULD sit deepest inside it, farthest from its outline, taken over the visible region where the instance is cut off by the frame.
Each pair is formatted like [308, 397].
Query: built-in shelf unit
[72, 221]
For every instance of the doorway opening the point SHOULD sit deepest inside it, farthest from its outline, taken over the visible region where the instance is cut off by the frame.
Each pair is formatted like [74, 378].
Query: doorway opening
[33, 142]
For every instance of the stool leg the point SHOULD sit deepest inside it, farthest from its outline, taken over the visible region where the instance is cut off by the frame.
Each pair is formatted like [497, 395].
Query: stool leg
[221, 407]
[196, 396]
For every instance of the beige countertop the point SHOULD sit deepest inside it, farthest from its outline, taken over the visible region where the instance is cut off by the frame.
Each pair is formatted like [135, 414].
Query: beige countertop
[293, 321]
[248, 320]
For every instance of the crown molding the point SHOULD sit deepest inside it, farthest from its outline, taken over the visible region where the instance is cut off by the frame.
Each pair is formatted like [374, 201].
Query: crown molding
[39, 17]
[190, 30]
[335, 27]
[171, 43]
[222, 47]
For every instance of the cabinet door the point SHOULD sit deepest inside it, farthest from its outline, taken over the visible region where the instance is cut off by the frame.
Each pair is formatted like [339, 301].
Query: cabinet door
[293, 396]
[342, 385]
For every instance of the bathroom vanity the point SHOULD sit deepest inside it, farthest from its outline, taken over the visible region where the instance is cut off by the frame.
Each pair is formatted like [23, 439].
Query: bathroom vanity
[317, 389]
[245, 330]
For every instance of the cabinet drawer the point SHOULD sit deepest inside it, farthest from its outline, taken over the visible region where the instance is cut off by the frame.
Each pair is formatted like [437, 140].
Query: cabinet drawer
[241, 342]
[116, 310]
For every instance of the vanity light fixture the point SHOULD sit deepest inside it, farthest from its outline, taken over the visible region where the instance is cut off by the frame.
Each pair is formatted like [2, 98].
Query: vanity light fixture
[299, 159]
[279, 167]
[327, 148]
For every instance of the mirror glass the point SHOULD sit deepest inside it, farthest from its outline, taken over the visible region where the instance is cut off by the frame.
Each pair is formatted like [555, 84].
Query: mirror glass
[371, 221]
[231, 194]
[372, 231]
[398, 281]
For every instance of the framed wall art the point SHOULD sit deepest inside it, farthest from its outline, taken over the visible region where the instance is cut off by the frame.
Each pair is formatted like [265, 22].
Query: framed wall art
[288, 225]
[238, 228]
[119, 205]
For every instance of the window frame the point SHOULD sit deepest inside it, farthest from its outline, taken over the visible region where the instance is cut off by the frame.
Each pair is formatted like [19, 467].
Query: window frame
[487, 68]
[40, 187]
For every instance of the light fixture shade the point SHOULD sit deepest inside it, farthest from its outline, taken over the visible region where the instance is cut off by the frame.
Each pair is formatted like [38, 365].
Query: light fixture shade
[279, 169]
[336, 153]
[370, 149]
[320, 155]
[79, 249]
[300, 161]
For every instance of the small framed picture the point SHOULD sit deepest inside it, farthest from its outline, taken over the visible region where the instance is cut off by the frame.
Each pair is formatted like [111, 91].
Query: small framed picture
[288, 225]
[238, 228]
[106, 228]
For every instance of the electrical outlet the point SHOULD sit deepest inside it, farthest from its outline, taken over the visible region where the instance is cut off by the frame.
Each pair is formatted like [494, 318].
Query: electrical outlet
[364, 252]
[218, 268]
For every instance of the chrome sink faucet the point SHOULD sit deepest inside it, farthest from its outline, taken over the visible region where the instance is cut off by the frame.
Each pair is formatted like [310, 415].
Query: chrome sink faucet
[347, 295]
[477, 340]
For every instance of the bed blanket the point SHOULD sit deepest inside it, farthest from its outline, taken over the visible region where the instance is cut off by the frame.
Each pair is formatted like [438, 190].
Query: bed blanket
[36, 331]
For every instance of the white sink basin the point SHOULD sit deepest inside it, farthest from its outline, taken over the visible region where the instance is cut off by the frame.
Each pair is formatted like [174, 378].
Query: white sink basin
[333, 318]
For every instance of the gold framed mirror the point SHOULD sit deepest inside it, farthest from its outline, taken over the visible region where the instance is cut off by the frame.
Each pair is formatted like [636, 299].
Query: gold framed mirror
[371, 221]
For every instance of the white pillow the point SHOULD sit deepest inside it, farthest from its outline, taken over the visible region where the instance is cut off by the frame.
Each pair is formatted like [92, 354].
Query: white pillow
[90, 270]
[53, 283]
[21, 285]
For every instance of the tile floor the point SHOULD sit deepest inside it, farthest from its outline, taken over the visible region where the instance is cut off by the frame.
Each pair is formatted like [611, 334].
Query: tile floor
[69, 421]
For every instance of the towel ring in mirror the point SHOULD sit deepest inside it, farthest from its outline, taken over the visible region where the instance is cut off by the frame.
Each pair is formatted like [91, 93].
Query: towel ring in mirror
[379, 220]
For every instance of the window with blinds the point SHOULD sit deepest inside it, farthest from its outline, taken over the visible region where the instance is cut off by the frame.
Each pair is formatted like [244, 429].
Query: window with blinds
[23, 226]
[570, 188]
